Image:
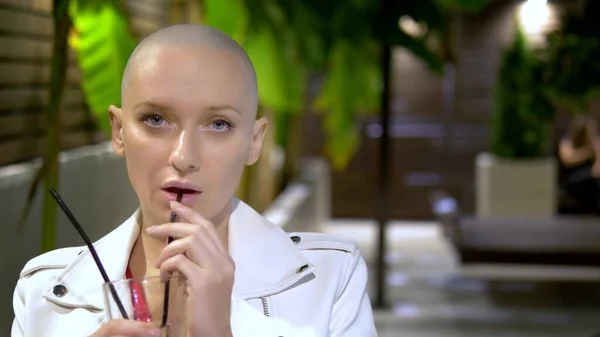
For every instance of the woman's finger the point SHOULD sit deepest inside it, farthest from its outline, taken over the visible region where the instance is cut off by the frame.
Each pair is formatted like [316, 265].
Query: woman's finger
[175, 230]
[200, 249]
[178, 230]
[186, 213]
[181, 264]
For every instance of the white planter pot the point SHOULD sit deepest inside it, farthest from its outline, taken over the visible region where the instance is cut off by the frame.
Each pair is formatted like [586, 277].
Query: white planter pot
[515, 188]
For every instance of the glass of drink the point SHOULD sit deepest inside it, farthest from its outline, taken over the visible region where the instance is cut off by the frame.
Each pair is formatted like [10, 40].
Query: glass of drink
[148, 299]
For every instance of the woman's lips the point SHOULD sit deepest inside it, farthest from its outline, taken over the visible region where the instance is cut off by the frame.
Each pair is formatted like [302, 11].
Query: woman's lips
[188, 198]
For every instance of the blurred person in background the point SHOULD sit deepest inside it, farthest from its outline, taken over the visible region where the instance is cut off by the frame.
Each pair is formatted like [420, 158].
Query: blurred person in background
[579, 159]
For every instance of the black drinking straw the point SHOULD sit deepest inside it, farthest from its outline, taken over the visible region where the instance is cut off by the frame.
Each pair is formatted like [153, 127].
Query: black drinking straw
[168, 283]
[78, 227]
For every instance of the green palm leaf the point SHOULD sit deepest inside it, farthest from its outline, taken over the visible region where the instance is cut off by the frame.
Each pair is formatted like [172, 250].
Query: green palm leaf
[231, 17]
[280, 79]
[352, 86]
[270, 44]
[103, 44]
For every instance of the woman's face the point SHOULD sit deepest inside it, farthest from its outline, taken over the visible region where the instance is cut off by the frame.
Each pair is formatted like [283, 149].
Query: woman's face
[188, 123]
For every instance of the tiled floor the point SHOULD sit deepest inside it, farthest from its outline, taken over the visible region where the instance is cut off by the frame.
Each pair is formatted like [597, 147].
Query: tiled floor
[429, 295]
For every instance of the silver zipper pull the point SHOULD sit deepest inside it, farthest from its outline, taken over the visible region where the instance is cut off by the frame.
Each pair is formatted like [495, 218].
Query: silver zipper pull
[265, 307]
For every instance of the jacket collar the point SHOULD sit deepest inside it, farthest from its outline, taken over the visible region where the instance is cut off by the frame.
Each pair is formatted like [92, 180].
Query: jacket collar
[266, 260]
[82, 277]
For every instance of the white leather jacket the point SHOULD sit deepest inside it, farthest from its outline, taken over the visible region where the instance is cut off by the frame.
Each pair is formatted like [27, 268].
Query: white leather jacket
[297, 284]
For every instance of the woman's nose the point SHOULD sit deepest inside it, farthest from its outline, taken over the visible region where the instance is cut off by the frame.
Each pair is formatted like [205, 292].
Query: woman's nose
[185, 155]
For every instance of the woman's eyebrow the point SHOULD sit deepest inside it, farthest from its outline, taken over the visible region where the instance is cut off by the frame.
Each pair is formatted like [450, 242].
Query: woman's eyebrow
[163, 107]
[153, 105]
[221, 107]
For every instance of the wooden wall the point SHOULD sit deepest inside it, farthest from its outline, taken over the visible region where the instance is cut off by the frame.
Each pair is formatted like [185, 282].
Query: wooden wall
[26, 31]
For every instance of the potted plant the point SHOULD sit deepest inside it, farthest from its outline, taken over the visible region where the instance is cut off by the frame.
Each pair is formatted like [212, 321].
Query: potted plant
[517, 177]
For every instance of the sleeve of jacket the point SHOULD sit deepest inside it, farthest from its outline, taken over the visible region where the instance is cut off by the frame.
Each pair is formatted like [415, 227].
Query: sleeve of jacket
[19, 310]
[352, 313]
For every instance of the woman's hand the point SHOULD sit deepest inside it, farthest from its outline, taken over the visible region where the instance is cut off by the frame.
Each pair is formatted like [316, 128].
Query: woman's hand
[126, 328]
[198, 253]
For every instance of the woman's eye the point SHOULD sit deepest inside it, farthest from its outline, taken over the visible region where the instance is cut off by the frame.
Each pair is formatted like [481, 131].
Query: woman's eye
[154, 120]
[221, 125]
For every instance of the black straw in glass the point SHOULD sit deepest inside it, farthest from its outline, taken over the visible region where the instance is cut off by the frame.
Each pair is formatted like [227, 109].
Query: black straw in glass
[88, 242]
[168, 283]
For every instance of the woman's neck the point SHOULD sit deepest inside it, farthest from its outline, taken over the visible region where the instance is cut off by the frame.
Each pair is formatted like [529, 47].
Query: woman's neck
[147, 249]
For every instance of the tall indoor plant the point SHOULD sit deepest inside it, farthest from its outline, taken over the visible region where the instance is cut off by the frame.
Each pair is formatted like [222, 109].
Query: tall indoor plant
[517, 177]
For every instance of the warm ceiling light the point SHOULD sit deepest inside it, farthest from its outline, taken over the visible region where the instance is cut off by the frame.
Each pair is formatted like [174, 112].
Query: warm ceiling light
[411, 27]
[534, 15]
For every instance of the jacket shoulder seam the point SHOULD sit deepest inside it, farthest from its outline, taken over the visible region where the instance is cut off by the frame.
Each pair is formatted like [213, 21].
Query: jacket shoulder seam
[49, 259]
[322, 241]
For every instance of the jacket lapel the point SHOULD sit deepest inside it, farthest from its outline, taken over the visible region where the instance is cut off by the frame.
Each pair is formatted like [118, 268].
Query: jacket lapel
[82, 278]
[266, 260]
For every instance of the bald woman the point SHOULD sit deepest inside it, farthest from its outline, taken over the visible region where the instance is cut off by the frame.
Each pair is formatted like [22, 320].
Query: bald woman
[188, 123]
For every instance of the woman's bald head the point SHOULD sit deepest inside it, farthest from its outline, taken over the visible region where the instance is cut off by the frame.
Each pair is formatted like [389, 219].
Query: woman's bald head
[192, 38]
[189, 113]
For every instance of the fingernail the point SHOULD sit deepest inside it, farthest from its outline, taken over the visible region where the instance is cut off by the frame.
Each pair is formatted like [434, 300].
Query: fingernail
[153, 332]
[174, 204]
[151, 229]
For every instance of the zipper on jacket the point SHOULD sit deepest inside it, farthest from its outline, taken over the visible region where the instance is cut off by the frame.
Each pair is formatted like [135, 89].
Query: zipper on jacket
[265, 306]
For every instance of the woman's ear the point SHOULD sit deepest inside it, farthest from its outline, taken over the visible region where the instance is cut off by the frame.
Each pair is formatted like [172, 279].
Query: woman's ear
[116, 125]
[258, 135]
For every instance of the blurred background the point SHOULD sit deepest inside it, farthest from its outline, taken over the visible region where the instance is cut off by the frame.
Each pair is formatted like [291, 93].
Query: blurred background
[455, 140]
